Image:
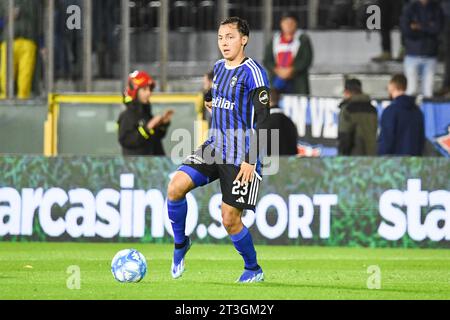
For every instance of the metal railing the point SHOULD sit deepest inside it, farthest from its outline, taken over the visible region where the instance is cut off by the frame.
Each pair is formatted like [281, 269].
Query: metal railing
[124, 18]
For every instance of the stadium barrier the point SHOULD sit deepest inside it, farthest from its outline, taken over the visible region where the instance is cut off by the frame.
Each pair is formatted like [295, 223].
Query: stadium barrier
[22, 126]
[343, 201]
[86, 123]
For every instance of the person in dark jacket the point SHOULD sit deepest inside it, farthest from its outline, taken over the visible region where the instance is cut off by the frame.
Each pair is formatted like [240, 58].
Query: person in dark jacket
[358, 122]
[287, 134]
[288, 58]
[402, 129]
[140, 132]
[421, 24]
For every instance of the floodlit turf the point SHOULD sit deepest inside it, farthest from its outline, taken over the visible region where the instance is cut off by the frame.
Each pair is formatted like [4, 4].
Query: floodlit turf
[39, 271]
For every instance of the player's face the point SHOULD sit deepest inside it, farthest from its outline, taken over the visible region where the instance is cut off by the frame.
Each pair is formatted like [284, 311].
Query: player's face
[144, 94]
[231, 42]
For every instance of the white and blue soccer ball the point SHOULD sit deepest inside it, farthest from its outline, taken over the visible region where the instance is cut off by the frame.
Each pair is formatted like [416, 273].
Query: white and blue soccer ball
[129, 265]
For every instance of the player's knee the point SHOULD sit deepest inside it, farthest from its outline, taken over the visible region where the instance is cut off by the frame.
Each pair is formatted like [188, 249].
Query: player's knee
[175, 190]
[230, 222]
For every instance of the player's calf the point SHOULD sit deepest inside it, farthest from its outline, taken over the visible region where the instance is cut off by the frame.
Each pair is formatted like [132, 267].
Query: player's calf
[242, 240]
[179, 186]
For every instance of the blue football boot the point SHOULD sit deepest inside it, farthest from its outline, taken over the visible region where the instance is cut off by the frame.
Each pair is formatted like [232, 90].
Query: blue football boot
[251, 276]
[178, 259]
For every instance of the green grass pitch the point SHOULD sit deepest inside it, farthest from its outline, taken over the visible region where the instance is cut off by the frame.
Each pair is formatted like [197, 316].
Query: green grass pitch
[39, 271]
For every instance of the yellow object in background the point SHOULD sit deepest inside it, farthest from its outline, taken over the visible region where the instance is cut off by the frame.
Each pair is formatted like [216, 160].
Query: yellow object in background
[24, 64]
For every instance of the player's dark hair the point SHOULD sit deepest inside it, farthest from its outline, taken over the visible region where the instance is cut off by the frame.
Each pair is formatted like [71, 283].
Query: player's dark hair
[242, 25]
[400, 81]
[353, 86]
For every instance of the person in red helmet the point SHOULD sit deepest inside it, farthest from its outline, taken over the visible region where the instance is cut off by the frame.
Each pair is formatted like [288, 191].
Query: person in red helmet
[141, 132]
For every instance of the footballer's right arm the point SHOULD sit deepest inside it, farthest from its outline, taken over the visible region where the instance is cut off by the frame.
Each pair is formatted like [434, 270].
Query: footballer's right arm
[208, 100]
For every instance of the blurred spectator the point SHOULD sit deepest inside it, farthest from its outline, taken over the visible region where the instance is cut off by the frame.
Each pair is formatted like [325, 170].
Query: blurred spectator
[421, 24]
[390, 12]
[68, 43]
[402, 124]
[106, 35]
[288, 57]
[207, 96]
[140, 132]
[288, 134]
[28, 36]
[358, 122]
[445, 90]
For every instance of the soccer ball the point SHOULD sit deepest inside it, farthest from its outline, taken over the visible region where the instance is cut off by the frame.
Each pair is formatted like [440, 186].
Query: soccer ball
[129, 265]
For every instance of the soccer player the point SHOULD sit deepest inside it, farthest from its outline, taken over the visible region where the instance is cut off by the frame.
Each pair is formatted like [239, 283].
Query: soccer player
[240, 101]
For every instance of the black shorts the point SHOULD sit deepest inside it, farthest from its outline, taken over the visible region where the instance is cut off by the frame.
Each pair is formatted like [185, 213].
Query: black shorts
[234, 194]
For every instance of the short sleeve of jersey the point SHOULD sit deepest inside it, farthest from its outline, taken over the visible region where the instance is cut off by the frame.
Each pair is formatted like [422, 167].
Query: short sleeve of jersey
[256, 76]
[217, 65]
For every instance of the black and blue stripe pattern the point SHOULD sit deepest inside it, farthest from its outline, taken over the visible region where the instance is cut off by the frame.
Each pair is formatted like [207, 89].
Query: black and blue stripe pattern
[233, 112]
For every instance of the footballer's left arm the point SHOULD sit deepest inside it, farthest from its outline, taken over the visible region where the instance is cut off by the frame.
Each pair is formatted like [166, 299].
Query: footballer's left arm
[261, 102]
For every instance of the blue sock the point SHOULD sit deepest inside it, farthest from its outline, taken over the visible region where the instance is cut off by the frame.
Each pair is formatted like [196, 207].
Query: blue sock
[177, 215]
[244, 245]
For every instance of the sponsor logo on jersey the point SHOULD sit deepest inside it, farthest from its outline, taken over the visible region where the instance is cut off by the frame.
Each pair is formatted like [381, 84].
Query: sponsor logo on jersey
[220, 102]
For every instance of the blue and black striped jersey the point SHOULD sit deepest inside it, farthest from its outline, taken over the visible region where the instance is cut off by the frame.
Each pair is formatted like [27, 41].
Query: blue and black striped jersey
[240, 100]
